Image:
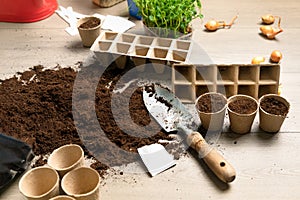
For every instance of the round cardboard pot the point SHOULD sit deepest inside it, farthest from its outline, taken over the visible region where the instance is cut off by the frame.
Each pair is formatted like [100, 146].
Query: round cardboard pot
[269, 122]
[241, 123]
[88, 35]
[66, 158]
[40, 183]
[82, 183]
[62, 197]
[212, 121]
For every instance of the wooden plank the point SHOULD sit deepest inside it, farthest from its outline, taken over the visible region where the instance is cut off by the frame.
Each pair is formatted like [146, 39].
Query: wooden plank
[267, 166]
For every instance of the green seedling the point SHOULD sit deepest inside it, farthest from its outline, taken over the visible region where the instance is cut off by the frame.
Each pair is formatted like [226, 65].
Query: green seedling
[174, 15]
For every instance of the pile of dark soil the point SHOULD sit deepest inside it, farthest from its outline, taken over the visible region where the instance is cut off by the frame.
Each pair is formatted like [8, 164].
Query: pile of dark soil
[211, 103]
[243, 106]
[36, 107]
[273, 106]
[91, 23]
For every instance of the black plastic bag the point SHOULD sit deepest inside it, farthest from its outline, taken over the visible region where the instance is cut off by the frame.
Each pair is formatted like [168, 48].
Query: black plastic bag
[15, 157]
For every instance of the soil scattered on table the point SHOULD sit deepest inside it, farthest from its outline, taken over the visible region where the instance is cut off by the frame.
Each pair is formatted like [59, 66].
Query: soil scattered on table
[273, 106]
[91, 23]
[243, 106]
[36, 107]
[211, 103]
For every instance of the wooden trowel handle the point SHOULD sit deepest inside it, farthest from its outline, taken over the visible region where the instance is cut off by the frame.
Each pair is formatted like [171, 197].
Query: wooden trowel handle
[214, 160]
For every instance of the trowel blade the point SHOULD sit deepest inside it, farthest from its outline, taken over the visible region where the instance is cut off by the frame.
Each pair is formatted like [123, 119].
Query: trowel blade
[167, 109]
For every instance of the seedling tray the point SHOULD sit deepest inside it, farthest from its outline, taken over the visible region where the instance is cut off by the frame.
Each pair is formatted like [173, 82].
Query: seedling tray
[140, 47]
[190, 81]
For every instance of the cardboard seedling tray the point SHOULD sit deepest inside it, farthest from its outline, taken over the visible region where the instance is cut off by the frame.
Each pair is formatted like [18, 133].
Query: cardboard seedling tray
[190, 81]
[140, 48]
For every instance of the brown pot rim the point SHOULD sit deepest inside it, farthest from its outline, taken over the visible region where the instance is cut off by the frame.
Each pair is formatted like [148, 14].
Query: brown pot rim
[62, 196]
[74, 194]
[63, 148]
[55, 173]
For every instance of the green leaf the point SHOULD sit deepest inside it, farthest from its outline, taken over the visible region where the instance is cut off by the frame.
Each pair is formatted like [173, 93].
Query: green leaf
[151, 18]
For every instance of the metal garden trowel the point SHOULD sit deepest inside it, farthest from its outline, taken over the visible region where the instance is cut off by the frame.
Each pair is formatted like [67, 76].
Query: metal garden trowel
[172, 115]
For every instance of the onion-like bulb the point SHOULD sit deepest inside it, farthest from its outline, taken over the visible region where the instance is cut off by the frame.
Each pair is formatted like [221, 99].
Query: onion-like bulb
[213, 25]
[258, 60]
[276, 56]
[268, 19]
[269, 31]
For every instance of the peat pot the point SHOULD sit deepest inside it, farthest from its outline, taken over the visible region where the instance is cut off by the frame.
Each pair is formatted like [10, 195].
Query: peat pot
[82, 183]
[242, 110]
[211, 109]
[273, 110]
[89, 30]
[66, 158]
[40, 183]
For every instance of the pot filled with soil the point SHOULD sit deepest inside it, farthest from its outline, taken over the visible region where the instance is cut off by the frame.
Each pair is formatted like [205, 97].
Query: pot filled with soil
[211, 108]
[242, 110]
[89, 30]
[273, 110]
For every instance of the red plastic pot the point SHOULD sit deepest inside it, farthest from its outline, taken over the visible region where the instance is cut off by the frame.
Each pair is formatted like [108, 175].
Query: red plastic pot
[26, 10]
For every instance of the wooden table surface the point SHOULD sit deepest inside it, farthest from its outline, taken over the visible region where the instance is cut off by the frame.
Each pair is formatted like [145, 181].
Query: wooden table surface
[268, 167]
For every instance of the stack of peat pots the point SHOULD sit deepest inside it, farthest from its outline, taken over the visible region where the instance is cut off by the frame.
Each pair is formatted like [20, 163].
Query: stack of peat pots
[64, 177]
[242, 109]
